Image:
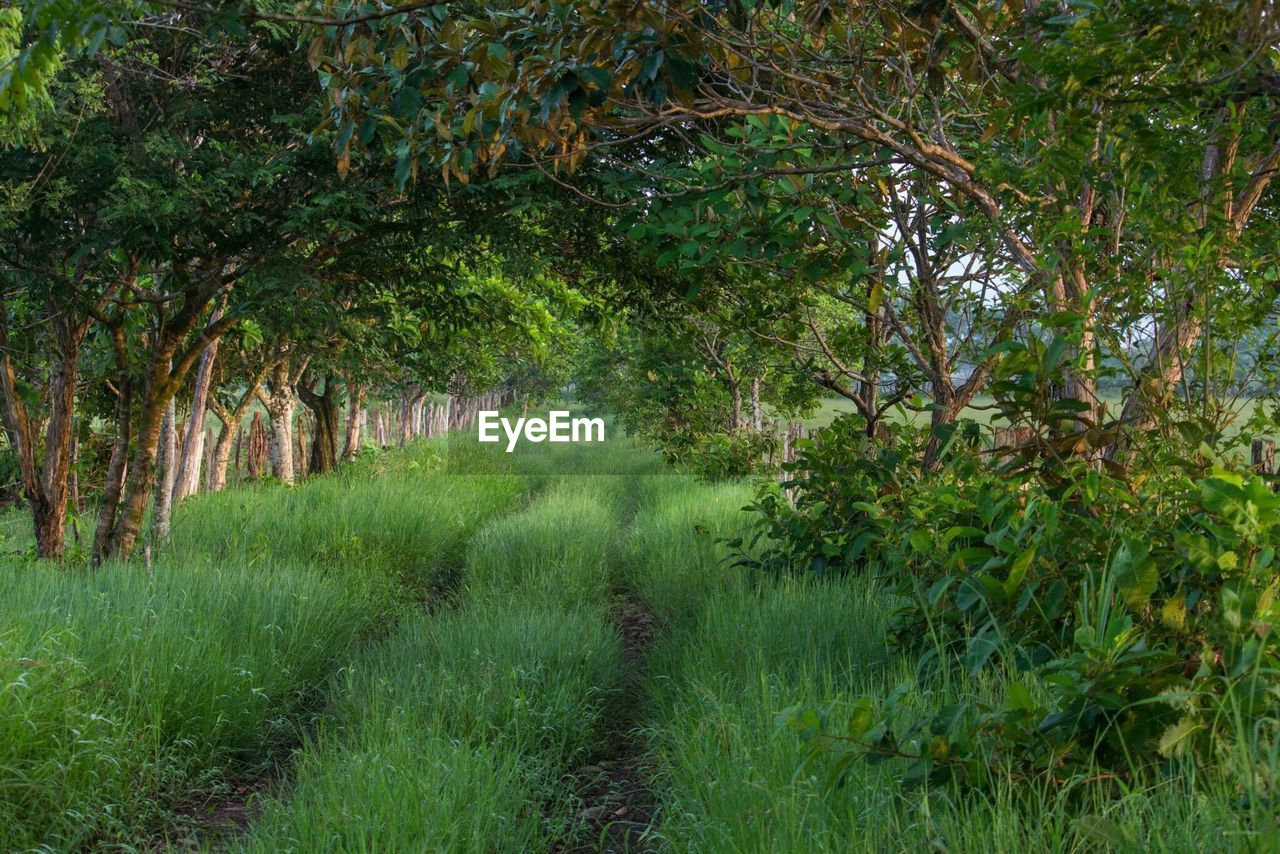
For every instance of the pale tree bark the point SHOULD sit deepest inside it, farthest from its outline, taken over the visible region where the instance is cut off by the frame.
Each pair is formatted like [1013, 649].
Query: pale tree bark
[355, 421]
[188, 469]
[167, 468]
[278, 397]
[409, 402]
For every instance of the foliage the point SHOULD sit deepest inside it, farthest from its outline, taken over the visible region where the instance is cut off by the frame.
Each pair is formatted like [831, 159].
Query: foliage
[1133, 614]
[126, 695]
[686, 388]
[480, 712]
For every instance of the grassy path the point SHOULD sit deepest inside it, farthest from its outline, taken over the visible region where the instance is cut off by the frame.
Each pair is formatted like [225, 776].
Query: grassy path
[591, 677]
[127, 703]
[462, 730]
[606, 683]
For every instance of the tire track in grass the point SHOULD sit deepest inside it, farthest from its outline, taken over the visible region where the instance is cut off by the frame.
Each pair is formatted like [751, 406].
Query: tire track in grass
[458, 734]
[425, 579]
[668, 529]
[614, 790]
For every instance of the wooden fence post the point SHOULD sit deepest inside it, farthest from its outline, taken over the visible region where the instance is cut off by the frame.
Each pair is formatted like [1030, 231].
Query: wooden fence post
[1264, 456]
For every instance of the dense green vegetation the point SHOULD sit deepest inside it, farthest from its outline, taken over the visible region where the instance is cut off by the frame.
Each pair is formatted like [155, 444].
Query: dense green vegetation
[131, 694]
[935, 342]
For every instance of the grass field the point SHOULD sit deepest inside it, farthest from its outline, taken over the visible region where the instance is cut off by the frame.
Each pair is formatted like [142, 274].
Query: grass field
[531, 657]
[984, 411]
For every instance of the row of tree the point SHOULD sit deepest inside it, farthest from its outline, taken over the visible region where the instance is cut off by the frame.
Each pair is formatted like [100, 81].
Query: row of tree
[880, 200]
[174, 236]
[895, 190]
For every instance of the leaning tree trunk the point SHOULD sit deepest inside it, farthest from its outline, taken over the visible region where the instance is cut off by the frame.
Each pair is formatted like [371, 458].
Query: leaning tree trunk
[159, 388]
[157, 392]
[167, 365]
[188, 470]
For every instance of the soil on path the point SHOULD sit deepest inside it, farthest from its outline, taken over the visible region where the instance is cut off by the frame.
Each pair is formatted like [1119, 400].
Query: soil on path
[617, 804]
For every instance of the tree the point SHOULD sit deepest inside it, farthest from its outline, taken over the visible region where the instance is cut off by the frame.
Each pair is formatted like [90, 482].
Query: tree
[1069, 138]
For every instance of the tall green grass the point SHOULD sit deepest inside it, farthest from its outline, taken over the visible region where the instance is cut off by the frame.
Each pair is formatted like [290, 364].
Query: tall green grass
[455, 736]
[120, 694]
[452, 738]
[674, 558]
[734, 653]
[399, 516]
[557, 551]
[124, 695]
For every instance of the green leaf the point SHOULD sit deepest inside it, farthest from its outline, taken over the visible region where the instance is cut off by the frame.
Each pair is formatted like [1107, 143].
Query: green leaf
[861, 718]
[1018, 571]
[1176, 740]
[1136, 573]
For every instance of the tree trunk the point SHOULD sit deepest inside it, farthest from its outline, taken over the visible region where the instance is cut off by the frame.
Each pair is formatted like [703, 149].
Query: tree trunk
[117, 465]
[757, 414]
[945, 413]
[45, 483]
[324, 409]
[208, 454]
[735, 414]
[188, 471]
[281, 414]
[142, 468]
[167, 460]
[258, 447]
[406, 418]
[355, 421]
[227, 437]
[174, 352]
[324, 441]
[300, 452]
[279, 404]
[230, 434]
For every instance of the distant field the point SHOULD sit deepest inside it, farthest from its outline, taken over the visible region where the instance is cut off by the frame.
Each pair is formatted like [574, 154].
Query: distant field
[984, 411]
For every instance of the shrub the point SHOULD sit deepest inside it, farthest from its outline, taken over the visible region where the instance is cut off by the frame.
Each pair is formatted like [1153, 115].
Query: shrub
[1133, 612]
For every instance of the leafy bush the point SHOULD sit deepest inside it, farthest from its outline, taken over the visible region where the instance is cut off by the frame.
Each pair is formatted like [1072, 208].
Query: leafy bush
[1132, 612]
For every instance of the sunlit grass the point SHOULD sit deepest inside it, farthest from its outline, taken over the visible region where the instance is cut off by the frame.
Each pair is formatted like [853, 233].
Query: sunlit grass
[737, 652]
[125, 694]
[457, 733]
